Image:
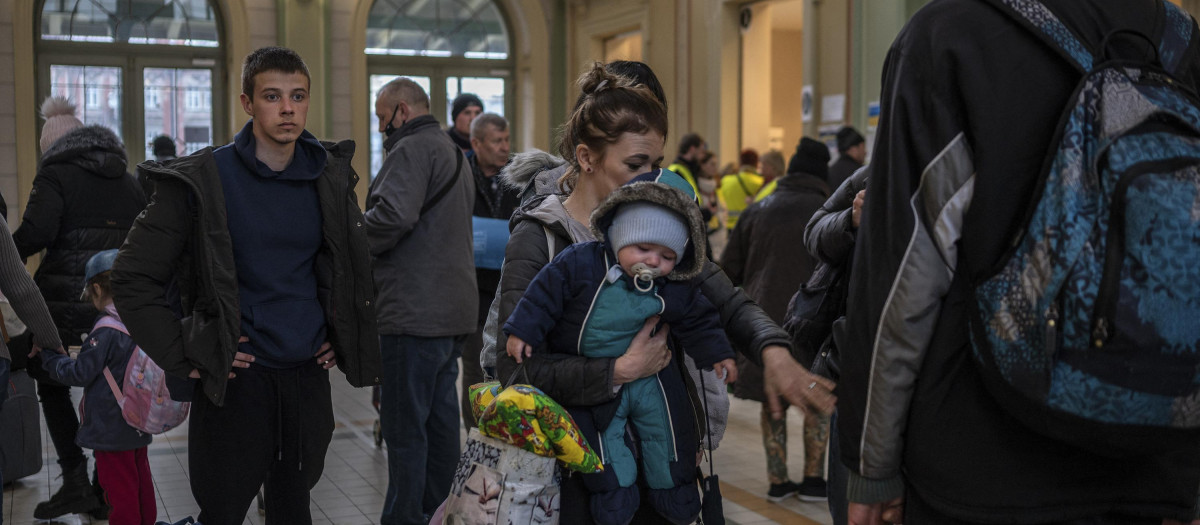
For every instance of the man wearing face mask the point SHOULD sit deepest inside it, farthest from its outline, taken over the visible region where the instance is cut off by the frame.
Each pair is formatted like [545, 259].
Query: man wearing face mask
[418, 223]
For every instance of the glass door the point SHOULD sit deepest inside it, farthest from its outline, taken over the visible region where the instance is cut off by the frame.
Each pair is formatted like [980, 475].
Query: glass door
[178, 104]
[95, 90]
[489, 89]
[140, 98]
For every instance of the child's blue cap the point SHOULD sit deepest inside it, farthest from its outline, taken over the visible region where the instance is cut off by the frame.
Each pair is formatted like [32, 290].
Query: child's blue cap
[98, 264]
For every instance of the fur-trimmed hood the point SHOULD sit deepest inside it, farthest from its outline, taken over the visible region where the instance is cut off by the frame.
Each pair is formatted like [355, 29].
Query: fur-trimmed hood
[666, 188]
[535, 175]
[94, 148]
[536, 166]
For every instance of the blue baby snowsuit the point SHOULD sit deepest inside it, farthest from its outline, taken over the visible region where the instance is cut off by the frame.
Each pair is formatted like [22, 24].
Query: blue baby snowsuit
[584, 303]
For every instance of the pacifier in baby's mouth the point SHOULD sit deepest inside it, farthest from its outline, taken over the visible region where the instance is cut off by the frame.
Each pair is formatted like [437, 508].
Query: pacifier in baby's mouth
[644, 275]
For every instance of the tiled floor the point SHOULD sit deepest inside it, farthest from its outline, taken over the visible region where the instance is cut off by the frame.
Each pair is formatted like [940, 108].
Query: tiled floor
[351, 490]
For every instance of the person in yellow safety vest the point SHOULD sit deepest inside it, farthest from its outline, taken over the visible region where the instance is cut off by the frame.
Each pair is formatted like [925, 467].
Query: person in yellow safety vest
[772, 169]
[739, 189]
[687, 164]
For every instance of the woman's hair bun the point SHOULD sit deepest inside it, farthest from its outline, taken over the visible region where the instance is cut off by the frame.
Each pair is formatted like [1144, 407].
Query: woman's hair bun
[599, 80]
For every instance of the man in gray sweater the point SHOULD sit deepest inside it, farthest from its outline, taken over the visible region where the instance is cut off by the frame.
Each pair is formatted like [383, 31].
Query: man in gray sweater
[418, 222]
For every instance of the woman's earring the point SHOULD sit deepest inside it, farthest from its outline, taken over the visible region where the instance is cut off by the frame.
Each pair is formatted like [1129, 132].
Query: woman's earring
[589, 169]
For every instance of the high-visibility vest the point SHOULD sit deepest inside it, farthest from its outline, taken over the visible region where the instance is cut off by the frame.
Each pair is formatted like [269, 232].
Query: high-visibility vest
[739, 191]
[682, 170]
[767, 190]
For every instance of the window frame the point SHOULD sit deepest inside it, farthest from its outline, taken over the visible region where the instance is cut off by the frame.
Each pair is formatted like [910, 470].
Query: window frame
[438, 69]
[133, 59]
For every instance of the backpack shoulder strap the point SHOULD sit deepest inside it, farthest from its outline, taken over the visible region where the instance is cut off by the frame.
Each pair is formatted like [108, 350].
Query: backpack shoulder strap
[108, 321]
[1041, 21]
[1176, 37]
[437, 197]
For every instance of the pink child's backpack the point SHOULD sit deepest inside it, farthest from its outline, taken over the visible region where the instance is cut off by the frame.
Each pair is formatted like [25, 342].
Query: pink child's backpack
[145, 403]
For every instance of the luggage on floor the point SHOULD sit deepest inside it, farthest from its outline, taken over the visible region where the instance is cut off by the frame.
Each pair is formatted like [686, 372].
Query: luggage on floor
[20, 429]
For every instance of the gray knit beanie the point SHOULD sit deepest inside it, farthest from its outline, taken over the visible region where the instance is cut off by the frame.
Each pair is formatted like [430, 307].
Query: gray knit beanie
[644, 222]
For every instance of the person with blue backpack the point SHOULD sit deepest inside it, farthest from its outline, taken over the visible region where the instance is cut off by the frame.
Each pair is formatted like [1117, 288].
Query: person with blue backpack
[120, 449]
[1022, 341]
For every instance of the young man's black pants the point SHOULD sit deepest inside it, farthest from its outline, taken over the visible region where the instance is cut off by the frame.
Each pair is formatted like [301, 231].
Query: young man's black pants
[273, 432]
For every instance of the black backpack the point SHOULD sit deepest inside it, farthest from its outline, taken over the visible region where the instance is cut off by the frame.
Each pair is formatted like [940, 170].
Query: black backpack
[813, 312]
[1089, 330]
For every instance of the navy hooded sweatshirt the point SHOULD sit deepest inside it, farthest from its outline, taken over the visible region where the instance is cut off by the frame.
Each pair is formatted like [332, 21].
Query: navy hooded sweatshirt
[274, 220]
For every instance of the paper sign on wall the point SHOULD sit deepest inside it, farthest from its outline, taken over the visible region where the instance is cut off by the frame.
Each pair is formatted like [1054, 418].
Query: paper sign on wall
[833, 108]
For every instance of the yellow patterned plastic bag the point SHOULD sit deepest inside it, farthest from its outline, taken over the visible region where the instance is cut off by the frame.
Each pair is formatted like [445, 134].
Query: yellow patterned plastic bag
[524, 416]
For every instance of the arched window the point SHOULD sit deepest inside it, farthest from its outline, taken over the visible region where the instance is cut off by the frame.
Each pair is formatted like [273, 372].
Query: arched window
[141, 67]
[446, 46]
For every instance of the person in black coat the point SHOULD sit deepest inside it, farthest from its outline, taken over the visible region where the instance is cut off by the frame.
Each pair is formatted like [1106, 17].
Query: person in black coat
[83, 202]
[852, 153]
[771, 271]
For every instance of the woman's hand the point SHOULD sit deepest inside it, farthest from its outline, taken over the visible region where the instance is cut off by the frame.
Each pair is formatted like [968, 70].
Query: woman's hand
[726, 370]
[783, 376]
[517, 348]
[647, 354]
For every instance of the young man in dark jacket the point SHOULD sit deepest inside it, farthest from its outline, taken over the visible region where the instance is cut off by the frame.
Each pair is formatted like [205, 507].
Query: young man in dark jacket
[83, 202]
[265, 240]
[960, 148]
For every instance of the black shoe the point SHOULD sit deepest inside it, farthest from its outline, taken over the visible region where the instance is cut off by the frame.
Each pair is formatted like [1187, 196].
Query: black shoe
[812, 489]
[101, 511]
[75, 496]
[779, 491]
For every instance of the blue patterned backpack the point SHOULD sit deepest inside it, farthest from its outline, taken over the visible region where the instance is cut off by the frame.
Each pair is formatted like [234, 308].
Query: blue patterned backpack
[1089, 332]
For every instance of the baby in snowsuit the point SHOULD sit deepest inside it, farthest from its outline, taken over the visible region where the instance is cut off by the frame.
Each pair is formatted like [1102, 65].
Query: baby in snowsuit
[593, 298]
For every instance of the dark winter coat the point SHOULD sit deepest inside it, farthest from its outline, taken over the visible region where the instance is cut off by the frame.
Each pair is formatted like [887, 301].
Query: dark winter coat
[541, 221]
[183, 235]
[562, 297]
[83, 202]
[101, 425]
[960, 147]
[829, 235]
[765, 256]
[842, 169]
[423, 259]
